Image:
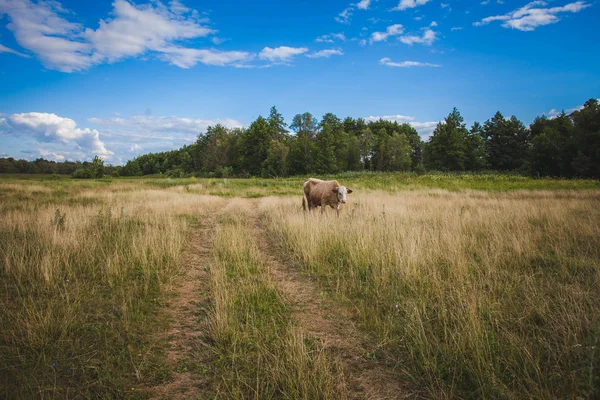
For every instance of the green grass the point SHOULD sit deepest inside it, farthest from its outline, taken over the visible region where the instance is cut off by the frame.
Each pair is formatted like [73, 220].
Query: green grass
[260, 353]
[261, 187]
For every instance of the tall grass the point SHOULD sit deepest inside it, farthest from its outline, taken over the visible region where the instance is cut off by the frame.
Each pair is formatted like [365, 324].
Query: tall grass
[81, 276]
[261, 353]
[473, 294]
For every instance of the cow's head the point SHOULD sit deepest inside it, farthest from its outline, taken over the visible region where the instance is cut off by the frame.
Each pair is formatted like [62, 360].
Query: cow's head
[341, 193]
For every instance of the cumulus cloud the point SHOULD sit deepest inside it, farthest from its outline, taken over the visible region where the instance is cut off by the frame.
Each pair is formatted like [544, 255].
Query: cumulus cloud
[134, 30]
[405, 64]
[148, 133]
[39, 28]
[425, 129]
[405, 4]
[363, 4]
[533, 15]
[51, 155]
[131, 31]
[392, 30]
[326, 53]
[51, 128]
[427, 38]
[4, 49]
[281, 54]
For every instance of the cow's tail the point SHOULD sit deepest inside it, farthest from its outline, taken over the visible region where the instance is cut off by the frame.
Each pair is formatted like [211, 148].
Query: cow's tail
[304, 203]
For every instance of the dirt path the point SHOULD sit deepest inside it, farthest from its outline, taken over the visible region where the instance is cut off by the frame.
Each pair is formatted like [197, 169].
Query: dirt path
[187, 330]
[327, 323]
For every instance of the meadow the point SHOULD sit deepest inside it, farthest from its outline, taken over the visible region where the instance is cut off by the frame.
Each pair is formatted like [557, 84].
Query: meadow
[427, 286]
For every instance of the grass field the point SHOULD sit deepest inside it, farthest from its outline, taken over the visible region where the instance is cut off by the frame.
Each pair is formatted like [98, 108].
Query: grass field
[427, 286]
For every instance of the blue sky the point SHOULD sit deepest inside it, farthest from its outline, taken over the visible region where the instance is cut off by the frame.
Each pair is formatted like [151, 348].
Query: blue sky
[122, 78]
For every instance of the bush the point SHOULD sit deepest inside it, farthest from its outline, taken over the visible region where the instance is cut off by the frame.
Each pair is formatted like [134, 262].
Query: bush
[93, 170]
[82, 173]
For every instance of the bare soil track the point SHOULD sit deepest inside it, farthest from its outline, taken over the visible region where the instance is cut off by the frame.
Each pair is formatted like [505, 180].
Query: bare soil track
[330, 325]
[188, 330]
[322, 320]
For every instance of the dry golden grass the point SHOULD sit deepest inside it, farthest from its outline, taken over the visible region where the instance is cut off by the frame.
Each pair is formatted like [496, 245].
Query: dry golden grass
[261, 352]
[472, 294]
[469, 294]
[81, 275]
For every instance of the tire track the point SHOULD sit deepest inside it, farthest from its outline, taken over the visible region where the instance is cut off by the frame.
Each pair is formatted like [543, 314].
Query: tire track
[329, 324]
[188, 315]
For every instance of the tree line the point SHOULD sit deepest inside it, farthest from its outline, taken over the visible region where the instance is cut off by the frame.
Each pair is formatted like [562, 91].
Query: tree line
[78, 169]
[566, 145]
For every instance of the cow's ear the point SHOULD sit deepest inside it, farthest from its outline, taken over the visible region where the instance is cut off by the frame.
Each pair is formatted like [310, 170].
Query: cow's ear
[334, 190]
[350, 191]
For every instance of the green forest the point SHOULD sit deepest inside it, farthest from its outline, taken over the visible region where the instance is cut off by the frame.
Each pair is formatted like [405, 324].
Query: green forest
[567, 145]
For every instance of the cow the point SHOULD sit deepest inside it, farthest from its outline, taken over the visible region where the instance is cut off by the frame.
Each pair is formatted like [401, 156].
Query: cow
[324, 193]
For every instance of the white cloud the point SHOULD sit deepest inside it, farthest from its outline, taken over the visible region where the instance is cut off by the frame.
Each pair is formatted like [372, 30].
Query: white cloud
[433, 24]
[363, 4]
[281, 54]
[405, 64]
[50, 155]
[456, 28]
[330, 38]
[4, 49]
[405, 4]
[532, 15]
[345, 16]
[135, 147]
[162, 124]
[393, 30]
[425, 129]
[427, 38]
[555, 113]
[217, 40]
[147, 133]
[326, 53]
[131, 31]
[187, 58]
[134, 30]
[51, 128]
[39, 28]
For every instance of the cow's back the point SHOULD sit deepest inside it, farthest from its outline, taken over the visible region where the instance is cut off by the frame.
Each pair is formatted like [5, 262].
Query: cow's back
[320, 192]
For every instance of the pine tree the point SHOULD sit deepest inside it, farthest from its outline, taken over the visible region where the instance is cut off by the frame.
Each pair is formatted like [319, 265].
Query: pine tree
[277, 125]
[447, 147]
[587, 140]
[507, 143]
[475, 151]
